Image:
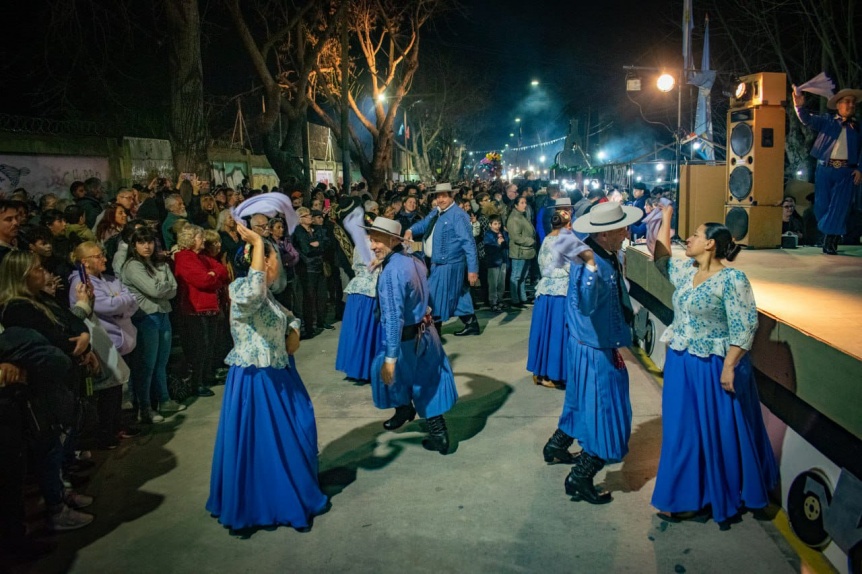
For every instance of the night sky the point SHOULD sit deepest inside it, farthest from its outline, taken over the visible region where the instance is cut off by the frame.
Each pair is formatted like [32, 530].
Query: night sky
[575, 49]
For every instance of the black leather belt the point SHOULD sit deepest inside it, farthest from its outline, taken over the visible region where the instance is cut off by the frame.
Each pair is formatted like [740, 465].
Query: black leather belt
[836, 163]
[409, 332]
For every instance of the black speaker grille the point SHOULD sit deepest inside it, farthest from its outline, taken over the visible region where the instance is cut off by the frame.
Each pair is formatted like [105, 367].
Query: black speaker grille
[736, 220]
[741, 139]
[740, 182]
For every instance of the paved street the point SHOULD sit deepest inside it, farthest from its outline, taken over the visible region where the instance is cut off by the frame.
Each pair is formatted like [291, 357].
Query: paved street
[491, 506]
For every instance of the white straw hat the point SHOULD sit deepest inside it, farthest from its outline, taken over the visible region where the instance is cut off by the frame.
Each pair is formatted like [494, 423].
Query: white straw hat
[607, 217]
[384, 225]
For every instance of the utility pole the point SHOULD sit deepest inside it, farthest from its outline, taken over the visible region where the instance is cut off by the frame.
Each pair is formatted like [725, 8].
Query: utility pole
[345, 110]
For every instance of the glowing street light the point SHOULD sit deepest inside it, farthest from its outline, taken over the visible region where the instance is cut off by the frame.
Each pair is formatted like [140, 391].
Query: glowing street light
[517, 120]
[638, 178]
[542, 159]
[381, 97]
[534, 83]
[695, 145]
[665, 83]
[630, 172]
[601, 155]
[511, 135]
[659, 167]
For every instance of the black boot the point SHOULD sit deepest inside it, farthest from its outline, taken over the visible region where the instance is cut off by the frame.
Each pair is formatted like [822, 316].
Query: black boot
[579, 483]
[203, 391]
[403, 415]
[557, 449]
[438, 326]
[830, 244]
[438, 437]
[471, 326]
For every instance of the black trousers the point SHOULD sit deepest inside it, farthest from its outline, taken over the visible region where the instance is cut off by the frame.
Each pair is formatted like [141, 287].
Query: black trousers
[12, 468]
[109, 406]
[314, 298]
[199, 344]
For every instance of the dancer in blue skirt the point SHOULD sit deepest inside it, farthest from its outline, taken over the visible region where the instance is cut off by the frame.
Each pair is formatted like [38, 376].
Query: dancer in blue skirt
[546, 357]
[715, 451]
[264, 469]
[597, 410]
[361, 336]
[412, 373]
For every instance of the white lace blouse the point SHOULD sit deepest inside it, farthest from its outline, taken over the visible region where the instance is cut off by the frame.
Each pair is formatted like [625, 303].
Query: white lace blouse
[716, 314]
[555, 279]
[365, 281]
[258, 324]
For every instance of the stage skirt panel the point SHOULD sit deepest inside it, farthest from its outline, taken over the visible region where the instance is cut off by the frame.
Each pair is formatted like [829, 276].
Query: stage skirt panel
[546, 356]
[597, 410]
[715, 449]
[423, 377]
[264, 469]
[449, 292]
[360, 339]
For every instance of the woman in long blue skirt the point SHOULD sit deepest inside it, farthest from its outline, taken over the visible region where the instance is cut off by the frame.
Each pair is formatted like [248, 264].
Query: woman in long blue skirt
[264, 469]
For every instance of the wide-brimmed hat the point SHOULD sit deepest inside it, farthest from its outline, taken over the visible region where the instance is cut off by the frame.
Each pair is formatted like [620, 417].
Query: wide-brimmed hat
[607, 217]
[440, 187]
[563, 203]
[832, 104]
[385, 225]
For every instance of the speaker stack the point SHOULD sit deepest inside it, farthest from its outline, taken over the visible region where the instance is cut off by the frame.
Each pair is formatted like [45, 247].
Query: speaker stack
[755, 160]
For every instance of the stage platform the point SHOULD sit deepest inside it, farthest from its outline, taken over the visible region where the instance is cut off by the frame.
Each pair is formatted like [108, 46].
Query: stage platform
[810, 311]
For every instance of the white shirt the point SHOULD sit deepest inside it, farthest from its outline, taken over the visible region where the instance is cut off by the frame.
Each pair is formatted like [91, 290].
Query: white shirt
[427, 243]
[839, 150]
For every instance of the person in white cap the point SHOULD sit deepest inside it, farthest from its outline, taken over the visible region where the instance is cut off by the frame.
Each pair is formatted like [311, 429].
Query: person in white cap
[411, 373]
[447, 241]
[838, 150]
[597, 409]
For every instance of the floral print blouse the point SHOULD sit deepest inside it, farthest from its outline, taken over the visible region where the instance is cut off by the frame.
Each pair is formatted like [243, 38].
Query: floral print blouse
[555, 279]
[365, 281]
[258, 324]
[709, 318]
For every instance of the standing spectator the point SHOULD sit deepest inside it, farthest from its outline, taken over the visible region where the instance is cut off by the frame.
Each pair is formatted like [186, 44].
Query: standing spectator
[91, 201]
[23, 304]
[199, 281]
[409, 212]
[309, 242]
[76, 226]
[8, 227]
[230, 240]
[522, 249]
[176, 210]
[116, 217]
[113, 307]
[496, 259]
[150, 280]
[838, 150]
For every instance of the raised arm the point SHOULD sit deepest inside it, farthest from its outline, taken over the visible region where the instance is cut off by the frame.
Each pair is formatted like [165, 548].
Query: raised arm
[662, 243]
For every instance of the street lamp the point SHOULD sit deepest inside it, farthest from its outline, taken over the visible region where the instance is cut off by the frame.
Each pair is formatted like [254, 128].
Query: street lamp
[665, 83]
[534, 83]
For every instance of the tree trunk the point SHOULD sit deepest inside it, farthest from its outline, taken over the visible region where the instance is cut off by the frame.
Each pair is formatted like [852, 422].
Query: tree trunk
[188, 125]
[381, 164]
[283, 148]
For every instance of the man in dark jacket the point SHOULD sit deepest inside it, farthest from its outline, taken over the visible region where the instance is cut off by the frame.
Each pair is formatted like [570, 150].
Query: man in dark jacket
[310, 241]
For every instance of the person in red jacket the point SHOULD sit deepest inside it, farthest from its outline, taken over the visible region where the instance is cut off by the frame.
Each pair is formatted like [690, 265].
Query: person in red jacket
[199, 281]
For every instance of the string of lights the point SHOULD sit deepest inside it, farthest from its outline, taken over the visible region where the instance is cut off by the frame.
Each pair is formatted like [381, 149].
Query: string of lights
[522, 148]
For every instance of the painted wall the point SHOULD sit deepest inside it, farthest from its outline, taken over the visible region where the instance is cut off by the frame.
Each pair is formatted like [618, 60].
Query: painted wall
[40, 174]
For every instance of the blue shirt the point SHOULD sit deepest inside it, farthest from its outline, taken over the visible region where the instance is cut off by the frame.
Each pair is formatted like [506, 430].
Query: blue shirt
[594, 312]
[829, 128]
[452, 240]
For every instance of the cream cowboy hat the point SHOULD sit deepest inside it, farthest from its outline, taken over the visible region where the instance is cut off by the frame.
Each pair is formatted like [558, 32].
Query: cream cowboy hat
[832, 104]
[386, 226]
[440, 187]
[563, 203]
[607, 217]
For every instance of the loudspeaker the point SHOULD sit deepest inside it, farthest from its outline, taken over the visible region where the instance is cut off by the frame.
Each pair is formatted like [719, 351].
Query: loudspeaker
[756, 226]
[761, 89]
[701, 196]
[755, 156]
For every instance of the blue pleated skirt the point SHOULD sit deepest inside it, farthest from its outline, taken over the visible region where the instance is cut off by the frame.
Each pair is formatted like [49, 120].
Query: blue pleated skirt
[715, 449]
[449, 292]
[423, 377]
[546, 356]
[264, 469]
[360, 338]
[597, 409]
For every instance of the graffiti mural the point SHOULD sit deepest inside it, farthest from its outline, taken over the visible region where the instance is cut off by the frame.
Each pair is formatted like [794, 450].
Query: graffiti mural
[41, 174]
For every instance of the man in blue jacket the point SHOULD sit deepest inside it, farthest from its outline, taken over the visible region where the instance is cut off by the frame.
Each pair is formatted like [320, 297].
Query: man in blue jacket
[838, 153]
[599, 316]
[447, 241]
[411, 373]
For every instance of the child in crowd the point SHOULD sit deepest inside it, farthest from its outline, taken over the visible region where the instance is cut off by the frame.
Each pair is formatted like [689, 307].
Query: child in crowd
[496, 257]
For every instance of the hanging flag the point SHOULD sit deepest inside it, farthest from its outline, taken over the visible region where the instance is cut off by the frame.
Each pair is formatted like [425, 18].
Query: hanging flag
[704, 82]
[687, 27]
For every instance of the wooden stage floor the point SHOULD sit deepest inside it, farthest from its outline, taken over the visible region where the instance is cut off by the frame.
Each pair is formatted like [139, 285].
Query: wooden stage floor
[820, 295]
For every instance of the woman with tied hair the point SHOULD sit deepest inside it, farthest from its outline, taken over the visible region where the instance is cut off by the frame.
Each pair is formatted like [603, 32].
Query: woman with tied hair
[199, 279]
[116, 217]
[546, 357]
[264, 469]
[715, 452]
[23, 304]
[151, 281]
[230, 240]
[113, 307]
